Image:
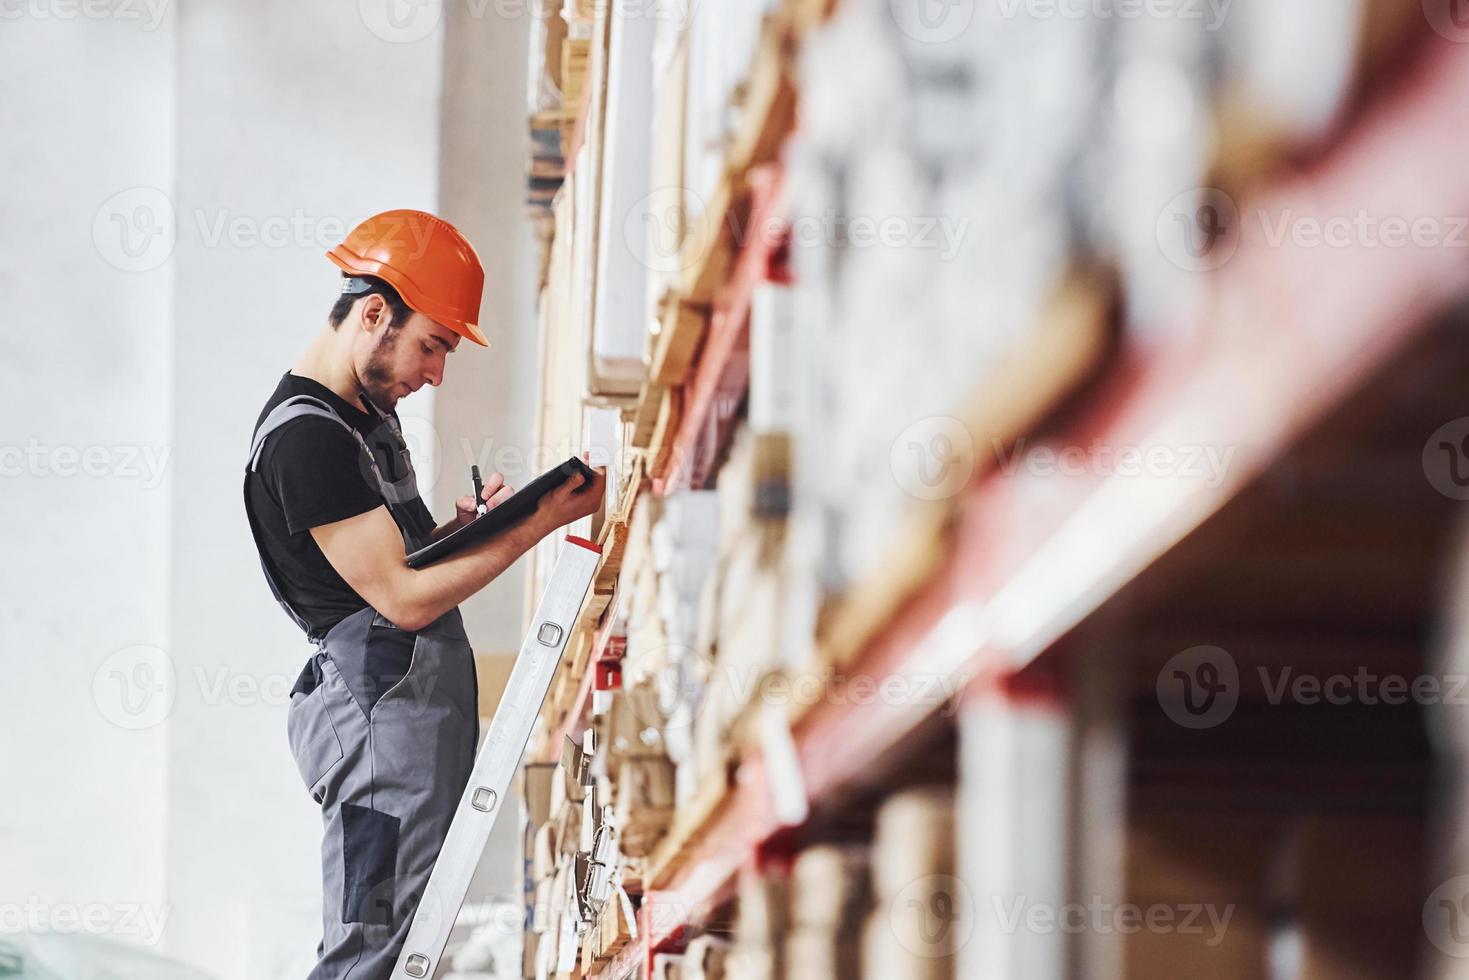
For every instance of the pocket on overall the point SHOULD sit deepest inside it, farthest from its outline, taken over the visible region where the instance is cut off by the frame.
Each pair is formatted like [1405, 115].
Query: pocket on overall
[309, 729]
[387, 661]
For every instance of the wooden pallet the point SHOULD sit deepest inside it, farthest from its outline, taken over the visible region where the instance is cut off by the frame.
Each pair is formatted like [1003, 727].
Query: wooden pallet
[680, 328]
[660, 449]
[644, 414]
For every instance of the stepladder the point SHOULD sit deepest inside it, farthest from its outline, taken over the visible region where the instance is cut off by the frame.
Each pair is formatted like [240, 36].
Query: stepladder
[495, 765]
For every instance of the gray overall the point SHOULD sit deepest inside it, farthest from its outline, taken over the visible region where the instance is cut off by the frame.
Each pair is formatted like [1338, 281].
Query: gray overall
[388, 767]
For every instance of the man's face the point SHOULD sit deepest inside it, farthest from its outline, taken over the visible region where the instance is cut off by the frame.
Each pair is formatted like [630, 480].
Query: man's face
[397, 359]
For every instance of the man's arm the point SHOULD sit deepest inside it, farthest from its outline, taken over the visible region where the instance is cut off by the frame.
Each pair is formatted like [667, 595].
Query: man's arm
[367, 551]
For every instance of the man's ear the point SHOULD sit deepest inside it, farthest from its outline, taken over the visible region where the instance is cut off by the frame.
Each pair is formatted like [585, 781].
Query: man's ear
[374, 313]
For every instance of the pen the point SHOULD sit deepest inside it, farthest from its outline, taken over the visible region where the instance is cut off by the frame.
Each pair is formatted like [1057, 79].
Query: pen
[479, 492]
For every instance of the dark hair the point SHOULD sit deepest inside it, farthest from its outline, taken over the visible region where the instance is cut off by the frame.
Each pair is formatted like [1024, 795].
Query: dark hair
[344, 302]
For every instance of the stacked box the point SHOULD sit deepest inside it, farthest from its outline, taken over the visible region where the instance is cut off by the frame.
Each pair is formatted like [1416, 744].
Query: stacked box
[683, 547]
[762, 923]
[949, 172]
[705, 959]
[911, 933]
[900, 197]
[644, 807]
[744, 614]
[572, 861]
[685, 543]
[637, 583]
[830, 896]
[721, 45]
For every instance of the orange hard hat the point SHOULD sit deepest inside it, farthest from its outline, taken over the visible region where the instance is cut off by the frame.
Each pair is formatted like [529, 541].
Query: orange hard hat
[431, 265]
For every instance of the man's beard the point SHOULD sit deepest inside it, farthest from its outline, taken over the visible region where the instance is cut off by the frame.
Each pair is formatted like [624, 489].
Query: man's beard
[377, 378]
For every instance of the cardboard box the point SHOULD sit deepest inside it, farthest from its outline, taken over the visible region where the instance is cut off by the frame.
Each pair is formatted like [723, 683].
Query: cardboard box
[764, 908]
[543, 854]
[536, 781]
[542, 912]
[914, 840]
[829, 888]
[893, 947]
[619, 924]
[632, 724]
[821, 954]
[645, 799]
[705, 959]
[529, 950]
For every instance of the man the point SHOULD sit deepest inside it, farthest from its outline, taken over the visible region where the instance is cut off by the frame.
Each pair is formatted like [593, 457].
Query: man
[383, 720]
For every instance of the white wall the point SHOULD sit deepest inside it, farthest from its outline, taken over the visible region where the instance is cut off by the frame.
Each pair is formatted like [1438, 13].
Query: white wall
[294, 121]
[267, 129]
[84, 360]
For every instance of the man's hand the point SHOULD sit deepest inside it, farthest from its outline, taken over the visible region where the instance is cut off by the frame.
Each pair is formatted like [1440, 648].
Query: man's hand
[495, 493]
[367, 551]
[573, 500]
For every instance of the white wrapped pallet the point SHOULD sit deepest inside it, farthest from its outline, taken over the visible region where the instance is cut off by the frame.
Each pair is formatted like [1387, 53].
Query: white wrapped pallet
[772, 402]
[602, 443]
[689, 520]
[1161, 142]
[1263, 45]
[620, 307]
[722, 39]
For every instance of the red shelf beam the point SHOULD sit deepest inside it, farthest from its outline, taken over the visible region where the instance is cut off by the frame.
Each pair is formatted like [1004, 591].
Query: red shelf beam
[721, 374]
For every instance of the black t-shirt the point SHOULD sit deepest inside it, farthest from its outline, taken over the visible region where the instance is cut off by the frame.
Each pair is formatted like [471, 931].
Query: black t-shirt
[313, 472]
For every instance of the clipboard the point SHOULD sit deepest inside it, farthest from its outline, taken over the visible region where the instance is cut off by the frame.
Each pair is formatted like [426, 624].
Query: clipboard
[504, 515]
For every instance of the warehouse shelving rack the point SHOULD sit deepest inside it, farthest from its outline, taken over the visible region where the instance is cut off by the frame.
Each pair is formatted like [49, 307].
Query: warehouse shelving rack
[1016, 574]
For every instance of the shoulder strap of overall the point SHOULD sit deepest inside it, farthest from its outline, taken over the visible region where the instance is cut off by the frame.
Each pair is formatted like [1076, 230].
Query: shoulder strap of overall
[291, 408]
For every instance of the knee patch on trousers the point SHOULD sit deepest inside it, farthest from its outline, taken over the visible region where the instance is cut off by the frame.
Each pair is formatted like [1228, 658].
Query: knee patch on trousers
[369, 865]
